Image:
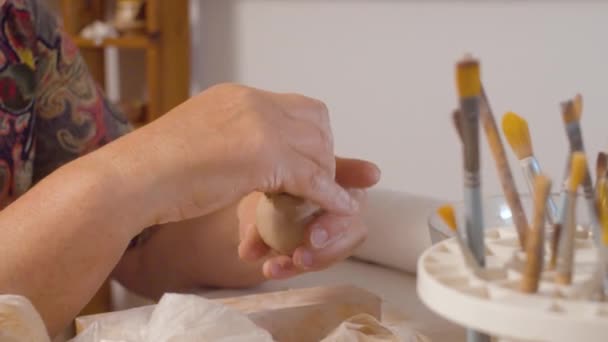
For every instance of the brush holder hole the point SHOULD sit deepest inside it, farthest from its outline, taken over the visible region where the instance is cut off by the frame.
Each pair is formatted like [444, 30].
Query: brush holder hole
[511, 243]
[456, 281]
[477, 291]
[443, 258]
[494, 274]
[445, 269]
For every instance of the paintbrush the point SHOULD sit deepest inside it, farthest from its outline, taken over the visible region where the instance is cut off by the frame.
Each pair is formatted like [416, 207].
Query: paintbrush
[570, 117]
[504, 170]
[536, 236]
[515, 129]
[448, 216]
[578, 109]
[565, 256]
[469, 91]
[468, 83]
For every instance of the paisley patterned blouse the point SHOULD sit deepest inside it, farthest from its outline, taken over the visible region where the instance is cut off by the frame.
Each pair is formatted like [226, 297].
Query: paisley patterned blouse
[51, 110]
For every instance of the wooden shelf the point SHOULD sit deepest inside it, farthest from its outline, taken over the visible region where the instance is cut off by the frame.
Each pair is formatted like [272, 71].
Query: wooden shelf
[127, 42]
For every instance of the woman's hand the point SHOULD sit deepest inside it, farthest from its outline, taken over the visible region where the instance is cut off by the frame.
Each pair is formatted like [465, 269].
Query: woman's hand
[330, 237]
[230, 141]
[224, 148]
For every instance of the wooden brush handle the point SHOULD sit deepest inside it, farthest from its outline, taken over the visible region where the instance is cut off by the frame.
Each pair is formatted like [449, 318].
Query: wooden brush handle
[504, 170]
[470, 133]
[558, 231]
[457, 122]
[536, 236]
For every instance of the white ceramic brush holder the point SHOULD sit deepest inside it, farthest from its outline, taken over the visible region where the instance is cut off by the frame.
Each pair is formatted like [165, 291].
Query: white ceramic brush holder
[491, 302]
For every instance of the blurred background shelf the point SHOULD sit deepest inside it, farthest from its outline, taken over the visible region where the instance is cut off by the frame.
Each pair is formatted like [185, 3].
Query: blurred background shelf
[162, 81]
[131, 42]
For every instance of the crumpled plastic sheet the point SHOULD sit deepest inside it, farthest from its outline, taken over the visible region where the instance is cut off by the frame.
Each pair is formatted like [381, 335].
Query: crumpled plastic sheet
[366, 328]
[188, 318]
[20, 321]
[183, 318]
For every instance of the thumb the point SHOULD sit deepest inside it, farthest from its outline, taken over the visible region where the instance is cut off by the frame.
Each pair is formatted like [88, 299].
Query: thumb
[315, 184]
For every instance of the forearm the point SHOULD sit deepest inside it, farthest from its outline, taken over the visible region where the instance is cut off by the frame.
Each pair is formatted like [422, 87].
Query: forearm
[195, 253]
[62, 238]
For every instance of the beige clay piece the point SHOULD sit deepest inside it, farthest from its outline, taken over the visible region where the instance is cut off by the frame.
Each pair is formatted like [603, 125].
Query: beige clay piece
[282, 219]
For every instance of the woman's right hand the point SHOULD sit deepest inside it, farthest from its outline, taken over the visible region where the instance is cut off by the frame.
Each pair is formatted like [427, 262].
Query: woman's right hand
[229, 141]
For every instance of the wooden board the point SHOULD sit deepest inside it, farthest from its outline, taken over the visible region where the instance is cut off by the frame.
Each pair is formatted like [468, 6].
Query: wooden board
[290, 316]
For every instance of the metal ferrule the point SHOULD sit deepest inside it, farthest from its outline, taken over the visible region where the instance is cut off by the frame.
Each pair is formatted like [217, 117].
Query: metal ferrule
[474, 221]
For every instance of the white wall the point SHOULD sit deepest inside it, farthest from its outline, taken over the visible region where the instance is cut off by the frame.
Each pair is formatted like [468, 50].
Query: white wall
[385, 68]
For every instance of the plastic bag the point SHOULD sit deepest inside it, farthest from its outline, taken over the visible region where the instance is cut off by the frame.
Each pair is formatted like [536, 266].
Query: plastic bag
[365, 328]
[178, 317]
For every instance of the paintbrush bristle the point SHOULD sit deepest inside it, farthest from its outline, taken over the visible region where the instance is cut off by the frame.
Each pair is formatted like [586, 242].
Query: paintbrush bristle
[468, 80]
[448, 216]
[568, 112]
[515, 129]
[601, 165]
[578, 106]
[577, 170]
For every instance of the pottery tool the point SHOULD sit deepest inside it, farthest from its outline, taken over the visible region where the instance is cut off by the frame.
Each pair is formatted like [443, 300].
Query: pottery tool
[504, 170]
[281, 220]
[570, 117]
[536, 236]
[517, 133]
[565, 256]
[468, 83]
[447, 214]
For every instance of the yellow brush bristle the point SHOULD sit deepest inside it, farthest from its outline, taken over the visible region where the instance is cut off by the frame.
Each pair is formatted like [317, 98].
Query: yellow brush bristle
[515, 129]
[577, 170]
[468, 79]
[568, 112]
[446, 213]
[601, 164]
[578, 106]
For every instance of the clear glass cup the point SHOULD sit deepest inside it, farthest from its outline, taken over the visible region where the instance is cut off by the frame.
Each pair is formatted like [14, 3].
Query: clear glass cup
[496, 213]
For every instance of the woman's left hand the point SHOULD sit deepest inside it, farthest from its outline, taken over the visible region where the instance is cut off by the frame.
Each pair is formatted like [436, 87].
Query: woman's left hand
[329, 238]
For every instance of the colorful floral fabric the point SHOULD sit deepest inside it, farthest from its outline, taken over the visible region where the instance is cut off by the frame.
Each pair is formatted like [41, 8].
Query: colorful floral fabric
[51, 110]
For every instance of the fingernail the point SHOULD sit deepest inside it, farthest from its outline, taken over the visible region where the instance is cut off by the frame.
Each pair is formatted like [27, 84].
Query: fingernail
[318, 237]
[378, 172]
[305, 259]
